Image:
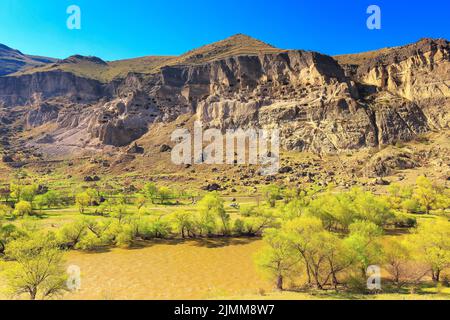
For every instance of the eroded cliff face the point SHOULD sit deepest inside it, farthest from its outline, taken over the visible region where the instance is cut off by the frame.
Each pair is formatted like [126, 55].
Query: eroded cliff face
[420, 73]
[318, 104]
[22, 89]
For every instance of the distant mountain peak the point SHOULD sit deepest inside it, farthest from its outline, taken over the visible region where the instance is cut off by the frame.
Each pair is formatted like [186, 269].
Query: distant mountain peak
[8, 49]
[247, 40]
[79, 58]
[238, 44]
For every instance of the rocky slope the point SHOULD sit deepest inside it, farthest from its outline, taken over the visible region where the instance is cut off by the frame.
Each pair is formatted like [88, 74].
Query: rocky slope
[12, 60]
[320, 104]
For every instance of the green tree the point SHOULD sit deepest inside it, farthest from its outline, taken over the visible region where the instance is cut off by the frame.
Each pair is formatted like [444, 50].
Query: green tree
[141, 200]
[211, 207]
[52, 198]
[277, 258]
[164, 194]
[8, 233]
[94, 196]
[432, 240]
[36, 268]
[425, 193]
[290, 194]
[120, 212]
[40, 202]
[370, 207]
[294, 209]
[82, 201]
[71, 234]
[16, 191]
[151, 191]
[397, 255]
[322, 253]
[23, 208]
[29, 193]
[364, 244]
[183, 223]
[272, 193]
[5, 211]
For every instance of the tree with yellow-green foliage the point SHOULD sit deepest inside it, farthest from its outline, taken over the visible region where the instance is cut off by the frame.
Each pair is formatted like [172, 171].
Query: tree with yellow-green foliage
[120, 212]
[365, 245]
[94, 196]
[272, 193]
[140, 201]
[397, 256]
[71, 233]
[426, 194]
[210, 209]
[338, 211]
[322, 253]
[164, 194]
[82, 200]
[8, 233]
[183, 222]
[151, 191]
[29, 192]
[36, 268]
[16, 191]
[23, 208]
[277, 259]
[432, 241]
[5, 211]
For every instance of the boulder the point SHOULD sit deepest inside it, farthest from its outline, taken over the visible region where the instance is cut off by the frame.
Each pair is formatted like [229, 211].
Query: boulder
[165, 148]
[212, 187]
[135, 149]
[7, 159]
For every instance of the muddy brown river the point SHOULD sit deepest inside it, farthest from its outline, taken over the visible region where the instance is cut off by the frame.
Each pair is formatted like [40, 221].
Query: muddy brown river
[205, 269]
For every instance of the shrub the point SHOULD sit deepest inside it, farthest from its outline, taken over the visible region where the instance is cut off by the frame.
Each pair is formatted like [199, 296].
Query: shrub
[5, 211]
[412, 206]
[23, 208]
[239, 227]
[405, 221]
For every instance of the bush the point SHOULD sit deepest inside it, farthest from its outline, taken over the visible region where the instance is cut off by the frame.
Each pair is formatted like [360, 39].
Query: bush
[412, 206]
[239, 227]
[405, 221]
[125, 237]
[5, 211]
[154, 228]
[23, 208]
[89, 242]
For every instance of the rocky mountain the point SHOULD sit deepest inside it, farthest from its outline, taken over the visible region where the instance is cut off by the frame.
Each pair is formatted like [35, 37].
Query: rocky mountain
[320, 103]
[12, 61]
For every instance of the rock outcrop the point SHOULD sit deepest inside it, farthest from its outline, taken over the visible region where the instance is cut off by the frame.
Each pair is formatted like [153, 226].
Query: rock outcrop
[418, 73]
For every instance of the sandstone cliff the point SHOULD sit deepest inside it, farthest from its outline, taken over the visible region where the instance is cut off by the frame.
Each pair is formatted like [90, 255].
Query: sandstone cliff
[320, 104]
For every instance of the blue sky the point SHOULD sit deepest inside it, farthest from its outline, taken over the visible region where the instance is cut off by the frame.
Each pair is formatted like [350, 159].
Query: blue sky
[125, 29]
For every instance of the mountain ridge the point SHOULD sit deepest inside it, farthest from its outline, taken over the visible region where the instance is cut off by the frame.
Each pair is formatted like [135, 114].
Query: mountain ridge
[320, 104]
[12, 60]
[238, 44]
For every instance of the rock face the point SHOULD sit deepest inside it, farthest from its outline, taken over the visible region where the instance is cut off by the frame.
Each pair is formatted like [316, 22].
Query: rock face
[22, 89]
[388, 162]
[319, 104]
[418, 73]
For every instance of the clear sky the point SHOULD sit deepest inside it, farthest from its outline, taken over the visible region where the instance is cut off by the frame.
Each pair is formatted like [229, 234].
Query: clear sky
[124, 29]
